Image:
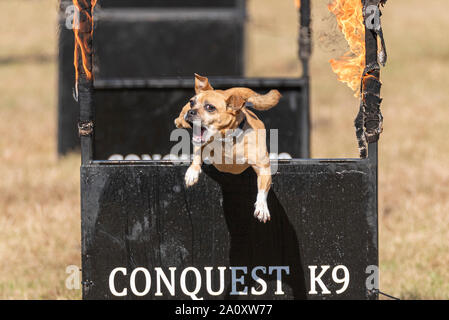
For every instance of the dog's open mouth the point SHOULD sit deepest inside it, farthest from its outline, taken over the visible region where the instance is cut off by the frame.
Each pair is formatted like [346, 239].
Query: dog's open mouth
[199, 134]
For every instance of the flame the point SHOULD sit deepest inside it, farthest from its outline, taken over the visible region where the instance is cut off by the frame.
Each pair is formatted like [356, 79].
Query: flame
[349, 68]
[81, 41]
[298, 4]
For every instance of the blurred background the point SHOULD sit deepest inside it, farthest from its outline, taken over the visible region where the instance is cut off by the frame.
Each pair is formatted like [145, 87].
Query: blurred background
[39, 192]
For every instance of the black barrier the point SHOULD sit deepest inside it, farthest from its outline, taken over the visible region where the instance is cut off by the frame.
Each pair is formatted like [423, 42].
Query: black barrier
[136, 116]
[142, 215]
[141, 39]
[146, 236]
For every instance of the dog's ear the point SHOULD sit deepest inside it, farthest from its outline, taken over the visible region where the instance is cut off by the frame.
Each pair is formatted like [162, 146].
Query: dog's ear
[235, 102]
[202, 84]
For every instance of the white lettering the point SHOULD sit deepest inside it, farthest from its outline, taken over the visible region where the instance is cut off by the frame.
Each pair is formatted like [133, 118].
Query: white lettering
[193, 293]
[314, 279]
[209, 281]
[279, 277]
[132, 282]
[344, 280]
[170, 285]
[260, 281]
[235, 280]
[124, 292]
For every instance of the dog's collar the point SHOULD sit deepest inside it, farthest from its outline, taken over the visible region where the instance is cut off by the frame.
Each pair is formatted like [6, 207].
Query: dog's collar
[236, 133]
[242, 124]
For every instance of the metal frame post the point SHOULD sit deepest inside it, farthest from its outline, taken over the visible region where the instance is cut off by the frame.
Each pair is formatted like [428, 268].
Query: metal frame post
[85, 81]
[369, 120]
[304, 52]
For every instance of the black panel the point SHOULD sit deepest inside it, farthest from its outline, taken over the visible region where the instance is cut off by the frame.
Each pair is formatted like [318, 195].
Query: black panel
[323, 213]
[144, 43]
[166, 3]
[165, 47]
[140, 121]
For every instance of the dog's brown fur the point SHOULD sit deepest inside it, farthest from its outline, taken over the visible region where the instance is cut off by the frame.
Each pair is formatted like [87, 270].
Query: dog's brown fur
[229, 110]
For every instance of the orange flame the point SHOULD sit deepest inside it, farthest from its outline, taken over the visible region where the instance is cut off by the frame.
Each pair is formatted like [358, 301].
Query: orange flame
[81, 40]
[298, 4]
[349, 68]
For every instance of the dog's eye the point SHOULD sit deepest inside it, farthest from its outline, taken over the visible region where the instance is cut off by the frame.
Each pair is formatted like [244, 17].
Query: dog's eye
[209, 107]
[192, 103]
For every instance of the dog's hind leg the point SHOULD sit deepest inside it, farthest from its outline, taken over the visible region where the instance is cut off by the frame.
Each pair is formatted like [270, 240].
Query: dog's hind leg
[261, 211]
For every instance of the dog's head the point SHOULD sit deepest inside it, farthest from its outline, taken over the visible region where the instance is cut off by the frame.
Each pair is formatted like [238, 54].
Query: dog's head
[211, 111]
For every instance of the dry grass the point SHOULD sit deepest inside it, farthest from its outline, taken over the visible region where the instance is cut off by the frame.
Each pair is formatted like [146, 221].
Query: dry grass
[39, 194]
[414, 148]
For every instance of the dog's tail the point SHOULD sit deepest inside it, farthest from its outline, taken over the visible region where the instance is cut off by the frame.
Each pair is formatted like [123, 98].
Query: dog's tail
[264, 101]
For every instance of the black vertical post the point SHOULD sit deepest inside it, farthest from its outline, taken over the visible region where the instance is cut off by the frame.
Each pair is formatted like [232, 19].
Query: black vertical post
[85, 81]
[305, 50]
[370, 83]
[370, 88]
[305, 35]
[370, 102]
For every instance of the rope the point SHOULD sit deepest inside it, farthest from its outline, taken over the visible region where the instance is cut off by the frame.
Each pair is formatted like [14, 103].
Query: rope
[384, 294]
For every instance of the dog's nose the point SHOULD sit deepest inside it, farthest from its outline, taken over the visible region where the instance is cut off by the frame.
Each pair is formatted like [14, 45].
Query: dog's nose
[192, 112]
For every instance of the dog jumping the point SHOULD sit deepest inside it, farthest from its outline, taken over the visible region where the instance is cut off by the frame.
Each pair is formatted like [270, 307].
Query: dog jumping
[215, 117]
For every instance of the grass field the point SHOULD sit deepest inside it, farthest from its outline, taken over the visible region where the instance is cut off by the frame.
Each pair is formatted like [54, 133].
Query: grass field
[39, 193]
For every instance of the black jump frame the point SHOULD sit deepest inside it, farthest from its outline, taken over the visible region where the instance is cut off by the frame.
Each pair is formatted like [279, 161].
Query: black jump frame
[141, 39]
[139, 213]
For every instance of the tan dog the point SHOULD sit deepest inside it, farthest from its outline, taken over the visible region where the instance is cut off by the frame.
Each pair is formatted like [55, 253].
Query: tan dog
[216, 116]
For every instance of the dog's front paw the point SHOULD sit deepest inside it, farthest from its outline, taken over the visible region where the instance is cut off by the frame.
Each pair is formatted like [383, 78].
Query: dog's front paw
[262, 213]
[192, 176]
